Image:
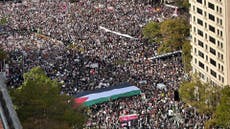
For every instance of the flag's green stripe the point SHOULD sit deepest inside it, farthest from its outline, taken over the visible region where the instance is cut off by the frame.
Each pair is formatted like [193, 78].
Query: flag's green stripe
[104, 99]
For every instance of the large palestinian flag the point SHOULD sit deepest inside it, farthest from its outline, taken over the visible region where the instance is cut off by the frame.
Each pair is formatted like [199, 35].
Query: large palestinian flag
[89, 98]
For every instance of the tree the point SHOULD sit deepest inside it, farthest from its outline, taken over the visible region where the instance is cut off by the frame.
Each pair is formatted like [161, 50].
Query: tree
[151, 31]
[202, 96]
[39, 104]
[186, 91]
[184, 4]
[174, 33]
[171, 34]
[208, 99]
[186, 56]
[164, 48]
[222, 114]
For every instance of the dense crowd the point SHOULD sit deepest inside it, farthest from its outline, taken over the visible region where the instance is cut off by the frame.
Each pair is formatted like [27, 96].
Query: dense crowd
[65, 39]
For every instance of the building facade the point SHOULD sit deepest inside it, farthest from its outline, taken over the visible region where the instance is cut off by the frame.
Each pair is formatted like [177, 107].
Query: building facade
[210, 32]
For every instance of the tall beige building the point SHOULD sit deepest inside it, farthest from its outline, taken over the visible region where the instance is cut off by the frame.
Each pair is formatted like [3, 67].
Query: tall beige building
[210, 32]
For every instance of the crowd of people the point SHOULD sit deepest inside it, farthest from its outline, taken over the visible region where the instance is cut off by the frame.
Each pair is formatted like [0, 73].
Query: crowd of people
[65, 39]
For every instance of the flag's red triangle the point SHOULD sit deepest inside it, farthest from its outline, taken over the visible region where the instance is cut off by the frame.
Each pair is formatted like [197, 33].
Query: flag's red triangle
[80, 100]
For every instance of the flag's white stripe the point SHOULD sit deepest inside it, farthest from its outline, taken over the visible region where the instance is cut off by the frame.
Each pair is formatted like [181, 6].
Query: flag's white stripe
[109, 93]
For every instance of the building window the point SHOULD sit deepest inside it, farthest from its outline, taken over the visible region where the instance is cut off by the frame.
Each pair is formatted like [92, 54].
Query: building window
[221, 56]
[201, 75]
[200, 43]
[211, 6]
[201, 54]
[220, 10]
[213, 73]
[213, 62]
[199, 1]
[221, 45]
[218, 55]
[200, 32]
[199, 11]
[221, 22]
[213, 51]
[211, 28]
[213, 83]
[200, 22]
[201, 65]
[211, 17]
[212, 40]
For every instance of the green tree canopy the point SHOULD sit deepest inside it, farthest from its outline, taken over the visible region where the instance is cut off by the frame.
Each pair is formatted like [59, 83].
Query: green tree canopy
[151, 31]
[186, 56]
[174, 33]
[171, 34]
[208, 99]
[39, 104]
[202, 96]
[186, 91]
[183, 4]
[222, 114]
